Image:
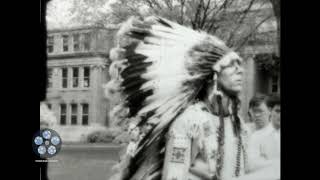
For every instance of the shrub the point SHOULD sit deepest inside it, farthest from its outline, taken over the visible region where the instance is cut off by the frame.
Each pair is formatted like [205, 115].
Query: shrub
[124, 137]
[103, 136]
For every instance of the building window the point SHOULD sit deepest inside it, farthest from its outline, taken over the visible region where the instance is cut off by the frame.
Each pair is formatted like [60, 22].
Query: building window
[64, 77]
[87, 41]
[50, 44]
[49, 106]
[274, 84]
[86, 76]
[85, 114]
[49, 72]
[63, 114]
[76, 42]
[74, 114]
[65, 42]
[75, 77]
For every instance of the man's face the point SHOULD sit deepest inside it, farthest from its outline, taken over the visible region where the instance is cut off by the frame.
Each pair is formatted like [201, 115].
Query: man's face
[231, 76]
[260, 115]
[275, 116]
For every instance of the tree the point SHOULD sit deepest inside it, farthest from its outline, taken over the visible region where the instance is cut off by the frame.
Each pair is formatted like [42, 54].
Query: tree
[276, 10]
[234, 21]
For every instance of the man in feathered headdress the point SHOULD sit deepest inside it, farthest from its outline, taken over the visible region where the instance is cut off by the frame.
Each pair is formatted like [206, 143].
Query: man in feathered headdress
[184, 85]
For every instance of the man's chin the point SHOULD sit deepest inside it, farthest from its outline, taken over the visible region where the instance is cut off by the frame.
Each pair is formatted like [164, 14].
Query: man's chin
[237, 89]
[234, 91]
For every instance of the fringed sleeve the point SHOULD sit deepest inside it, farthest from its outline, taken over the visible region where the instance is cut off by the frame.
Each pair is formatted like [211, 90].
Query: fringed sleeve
[178, 150]
[192, 145]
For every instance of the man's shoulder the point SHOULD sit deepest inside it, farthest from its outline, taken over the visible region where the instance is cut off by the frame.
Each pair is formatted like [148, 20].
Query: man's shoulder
[196, 115]
[261, 134]
[198, 112]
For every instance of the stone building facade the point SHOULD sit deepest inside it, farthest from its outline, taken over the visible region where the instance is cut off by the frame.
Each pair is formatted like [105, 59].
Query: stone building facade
[78, 61]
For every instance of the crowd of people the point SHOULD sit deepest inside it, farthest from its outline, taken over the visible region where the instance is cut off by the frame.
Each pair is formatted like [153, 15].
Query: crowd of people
[264, 142]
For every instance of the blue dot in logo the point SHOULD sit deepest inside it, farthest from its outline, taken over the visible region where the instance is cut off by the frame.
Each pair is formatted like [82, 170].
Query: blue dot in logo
[38, 140]
[55, 140]
[46, 134]
[41, 150]
[52, 150]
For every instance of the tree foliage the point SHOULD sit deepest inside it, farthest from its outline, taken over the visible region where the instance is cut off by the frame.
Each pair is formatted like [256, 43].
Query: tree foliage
[276, 10]
[234, 21]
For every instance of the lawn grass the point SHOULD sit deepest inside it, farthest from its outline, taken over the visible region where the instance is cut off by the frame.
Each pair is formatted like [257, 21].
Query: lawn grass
[84, 162]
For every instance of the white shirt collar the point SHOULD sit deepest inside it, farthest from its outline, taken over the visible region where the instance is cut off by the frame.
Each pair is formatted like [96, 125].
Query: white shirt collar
[266, 129]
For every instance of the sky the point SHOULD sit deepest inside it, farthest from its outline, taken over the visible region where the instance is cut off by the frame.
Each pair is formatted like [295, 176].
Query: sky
[59, 16]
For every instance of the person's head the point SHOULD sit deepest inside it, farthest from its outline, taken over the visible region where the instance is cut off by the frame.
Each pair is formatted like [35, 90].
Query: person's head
[275, 105]
[259, 111]
[230, 76]
[227, 77]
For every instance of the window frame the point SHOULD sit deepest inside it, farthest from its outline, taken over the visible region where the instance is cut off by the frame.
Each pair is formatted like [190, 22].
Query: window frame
[87, 37]
[74, 114]
[65, 42]
[86, 78]
[85, 114]
[64, 79]
[50, 44]
[50, 77]
[76, 42]
[63, 114]
[75, 78]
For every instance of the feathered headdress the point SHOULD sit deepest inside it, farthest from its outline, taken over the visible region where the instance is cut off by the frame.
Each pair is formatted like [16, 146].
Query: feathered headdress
[166, 65]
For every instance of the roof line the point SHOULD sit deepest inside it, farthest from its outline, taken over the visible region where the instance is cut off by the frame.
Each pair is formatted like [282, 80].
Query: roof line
[77, 28]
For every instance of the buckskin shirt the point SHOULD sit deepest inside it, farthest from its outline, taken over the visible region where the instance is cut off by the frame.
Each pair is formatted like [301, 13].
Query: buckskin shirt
[192, 146]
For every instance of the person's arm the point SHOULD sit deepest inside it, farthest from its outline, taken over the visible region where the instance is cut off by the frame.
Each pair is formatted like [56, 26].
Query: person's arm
[177, 157]
[184, 145]
[181, 162]
[255, 159]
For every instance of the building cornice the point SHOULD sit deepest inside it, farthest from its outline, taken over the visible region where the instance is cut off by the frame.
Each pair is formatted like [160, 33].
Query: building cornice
[79, 28]
[78, 55]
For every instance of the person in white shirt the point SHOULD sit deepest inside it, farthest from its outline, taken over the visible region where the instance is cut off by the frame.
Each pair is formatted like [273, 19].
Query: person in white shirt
[259, 112]
[264, 144]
